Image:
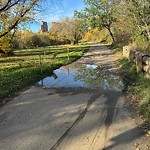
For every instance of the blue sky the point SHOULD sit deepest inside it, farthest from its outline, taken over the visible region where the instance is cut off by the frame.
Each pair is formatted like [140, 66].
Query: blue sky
[56, 11]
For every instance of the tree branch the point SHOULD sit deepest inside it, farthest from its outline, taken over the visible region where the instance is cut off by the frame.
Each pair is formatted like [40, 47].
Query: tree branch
[7, 6]
[20, 16]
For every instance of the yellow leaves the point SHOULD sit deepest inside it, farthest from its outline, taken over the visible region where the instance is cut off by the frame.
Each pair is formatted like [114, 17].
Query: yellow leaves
[92, 35]
[96, 35]
[95, 30]
[52, 35]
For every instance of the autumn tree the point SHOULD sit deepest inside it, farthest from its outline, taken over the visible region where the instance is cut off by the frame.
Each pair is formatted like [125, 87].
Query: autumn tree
[75, 32]
[28, 39]
[14, 12]
[101, 14]
[67, 30]
[140, 12]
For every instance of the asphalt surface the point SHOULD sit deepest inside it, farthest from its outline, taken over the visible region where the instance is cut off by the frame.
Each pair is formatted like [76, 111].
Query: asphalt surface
[72, 118]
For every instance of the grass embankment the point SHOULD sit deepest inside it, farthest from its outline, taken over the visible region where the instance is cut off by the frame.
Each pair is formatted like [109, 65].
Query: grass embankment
[26, 67]
[138, 87]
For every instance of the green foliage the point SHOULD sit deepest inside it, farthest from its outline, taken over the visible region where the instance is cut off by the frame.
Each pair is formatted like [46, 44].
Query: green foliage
[133, 25]
[126, 21]
[140, 12]
[28, 39]
[100, 13]
[36, 40]
[123, 28]
[25, 40]
[140, 44]
[44, 39]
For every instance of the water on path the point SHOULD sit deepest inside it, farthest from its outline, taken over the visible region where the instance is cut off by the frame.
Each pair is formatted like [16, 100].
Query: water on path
[82, 75]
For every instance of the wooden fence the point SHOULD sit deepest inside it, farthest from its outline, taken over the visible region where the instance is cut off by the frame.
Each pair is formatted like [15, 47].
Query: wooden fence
[141, 60]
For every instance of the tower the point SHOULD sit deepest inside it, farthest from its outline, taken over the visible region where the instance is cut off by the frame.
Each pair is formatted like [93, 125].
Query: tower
[44, 26]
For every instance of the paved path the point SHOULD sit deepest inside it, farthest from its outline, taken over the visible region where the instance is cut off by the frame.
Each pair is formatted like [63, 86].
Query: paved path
[71, 118]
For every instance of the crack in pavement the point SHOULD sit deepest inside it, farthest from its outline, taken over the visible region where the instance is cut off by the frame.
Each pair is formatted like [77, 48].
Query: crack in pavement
[80, 117]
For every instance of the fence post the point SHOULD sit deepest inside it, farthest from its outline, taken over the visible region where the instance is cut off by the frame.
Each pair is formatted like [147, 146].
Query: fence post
[40, 63]
[44, 53]
[132, 55]
[68, 53]
[126, 51]
[138, 61]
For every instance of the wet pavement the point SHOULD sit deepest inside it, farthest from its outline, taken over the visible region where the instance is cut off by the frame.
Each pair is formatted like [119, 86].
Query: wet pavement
[80, 107]
[83, 75]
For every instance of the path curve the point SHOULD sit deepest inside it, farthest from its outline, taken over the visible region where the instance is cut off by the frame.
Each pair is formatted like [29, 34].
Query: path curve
[71, 118]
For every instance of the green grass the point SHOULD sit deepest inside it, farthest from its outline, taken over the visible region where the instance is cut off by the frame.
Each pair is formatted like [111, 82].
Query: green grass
[140, 87]
[26, 67]
[137, 85]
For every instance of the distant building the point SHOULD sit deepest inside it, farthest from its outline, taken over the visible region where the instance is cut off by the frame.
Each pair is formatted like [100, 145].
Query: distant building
[44, 27]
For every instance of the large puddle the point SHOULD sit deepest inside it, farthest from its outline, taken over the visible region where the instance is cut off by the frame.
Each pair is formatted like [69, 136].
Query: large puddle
[82, 75]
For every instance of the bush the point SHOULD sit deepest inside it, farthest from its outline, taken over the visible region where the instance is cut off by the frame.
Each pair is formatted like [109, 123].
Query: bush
[45, 40]
[28, 39]
[36, 40]
[143, 46]
[140, 42]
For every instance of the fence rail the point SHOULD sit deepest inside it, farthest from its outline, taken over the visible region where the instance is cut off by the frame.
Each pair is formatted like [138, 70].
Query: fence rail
[141, 60]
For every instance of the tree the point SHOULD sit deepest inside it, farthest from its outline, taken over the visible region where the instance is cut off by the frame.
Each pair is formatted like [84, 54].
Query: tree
[14, 12]
[45, 39]
[56, 32]
[26, 39]
[67, 30]
[75, 31]
[100, 13]
[140, 12]
[36, 40]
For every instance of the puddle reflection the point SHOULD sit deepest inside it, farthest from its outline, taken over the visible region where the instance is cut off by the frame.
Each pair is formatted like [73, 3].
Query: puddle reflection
[82, 75]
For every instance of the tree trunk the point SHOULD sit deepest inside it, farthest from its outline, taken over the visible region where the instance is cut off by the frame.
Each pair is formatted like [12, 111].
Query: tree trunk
[111, 34]
[3, 51]
[74, 42]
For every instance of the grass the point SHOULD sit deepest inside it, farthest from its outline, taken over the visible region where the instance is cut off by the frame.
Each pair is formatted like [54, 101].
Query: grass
[138, 87]
[30, 65]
